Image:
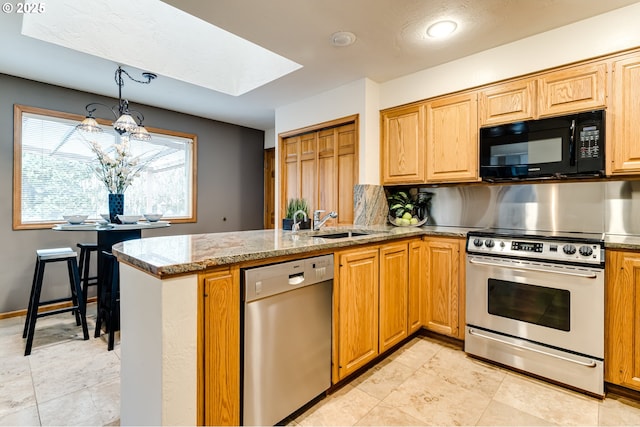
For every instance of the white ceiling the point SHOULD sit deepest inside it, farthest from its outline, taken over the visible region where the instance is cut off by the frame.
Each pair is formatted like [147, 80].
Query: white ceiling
[391, 43]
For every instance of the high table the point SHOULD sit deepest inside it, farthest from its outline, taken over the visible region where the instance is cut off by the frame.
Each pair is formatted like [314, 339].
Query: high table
[108, 235]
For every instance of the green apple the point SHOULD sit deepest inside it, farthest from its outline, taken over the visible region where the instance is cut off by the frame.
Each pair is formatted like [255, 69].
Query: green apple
[414, 220]
[407, 216]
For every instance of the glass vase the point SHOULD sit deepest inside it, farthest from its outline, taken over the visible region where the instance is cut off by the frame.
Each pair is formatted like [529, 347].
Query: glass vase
[116, 207]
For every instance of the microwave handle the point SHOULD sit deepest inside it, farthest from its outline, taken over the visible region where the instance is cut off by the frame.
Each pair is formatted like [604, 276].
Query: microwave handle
[572, 144]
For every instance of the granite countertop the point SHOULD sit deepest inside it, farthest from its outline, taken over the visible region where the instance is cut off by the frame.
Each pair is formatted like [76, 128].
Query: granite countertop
[619, 241]
[172, 255]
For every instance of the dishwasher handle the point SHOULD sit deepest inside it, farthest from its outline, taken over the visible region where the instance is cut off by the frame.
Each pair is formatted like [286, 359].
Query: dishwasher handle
[296, 279]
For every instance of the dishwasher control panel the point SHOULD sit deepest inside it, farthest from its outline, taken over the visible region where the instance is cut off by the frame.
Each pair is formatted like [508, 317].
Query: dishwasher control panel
[261, 282]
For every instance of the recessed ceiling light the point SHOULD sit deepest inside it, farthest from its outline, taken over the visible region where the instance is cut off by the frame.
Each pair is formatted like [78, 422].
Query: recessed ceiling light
[343, 38]
[441, 29]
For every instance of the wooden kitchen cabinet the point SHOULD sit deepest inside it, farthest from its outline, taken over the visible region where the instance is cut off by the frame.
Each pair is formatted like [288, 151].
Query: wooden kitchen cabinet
[444, 292]
[623, 138]
[356, 309]
[394, 293]
[452, 138]
[219, 392]
[578, 88]
[403, 145]
[508, 102]
[417, 271]
[622, 318]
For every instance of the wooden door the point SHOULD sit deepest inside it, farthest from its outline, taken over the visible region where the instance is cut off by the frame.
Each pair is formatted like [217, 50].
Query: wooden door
[322, 167]
[394, 291]
[347, 168]
[573, 89]
[309, 169]
[452, 139]
[403, 145]
[417, 272]
[622, 319]
[290, 167]
[327, 173]
[269, 215]
[441, 299]
[357, 323]
[623, 142]
[508, 102]
[220, 390]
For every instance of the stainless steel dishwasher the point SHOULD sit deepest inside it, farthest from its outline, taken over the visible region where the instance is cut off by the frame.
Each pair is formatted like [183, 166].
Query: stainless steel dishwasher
[287, 337]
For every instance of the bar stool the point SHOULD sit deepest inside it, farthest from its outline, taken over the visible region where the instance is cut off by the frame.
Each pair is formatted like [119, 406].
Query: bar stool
[43, 257]
[84, 265]
[109, 299]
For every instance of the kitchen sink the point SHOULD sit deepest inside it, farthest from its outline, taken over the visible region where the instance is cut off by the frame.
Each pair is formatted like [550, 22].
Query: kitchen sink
[342, 234]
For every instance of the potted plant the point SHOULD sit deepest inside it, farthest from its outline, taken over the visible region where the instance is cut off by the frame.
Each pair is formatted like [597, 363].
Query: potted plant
[293, 206]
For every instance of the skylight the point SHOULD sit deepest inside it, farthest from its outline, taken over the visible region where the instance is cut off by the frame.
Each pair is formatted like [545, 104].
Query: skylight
[154, 36]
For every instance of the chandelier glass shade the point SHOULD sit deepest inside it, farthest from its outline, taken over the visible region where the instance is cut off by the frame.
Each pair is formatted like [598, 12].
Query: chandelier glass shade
[127, 121]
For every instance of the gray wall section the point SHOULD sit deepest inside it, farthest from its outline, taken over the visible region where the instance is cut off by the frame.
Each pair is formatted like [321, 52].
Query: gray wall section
[230, 183]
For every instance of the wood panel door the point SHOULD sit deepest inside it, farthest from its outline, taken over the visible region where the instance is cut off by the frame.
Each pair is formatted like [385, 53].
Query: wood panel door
[417, 273]
[622, 319]
[269, 215]
[290, 167]
[394, 292]
[347, 168]
[327, 173]
[623, 145]
[403, 145]
[322, 167]
[357, 305]
[221, 347]
[573, 89]
[508, 102]
[452, 139]
[309, 170]
[442, 289]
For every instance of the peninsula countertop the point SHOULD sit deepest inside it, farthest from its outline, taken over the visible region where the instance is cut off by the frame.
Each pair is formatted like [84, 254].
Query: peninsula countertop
[184, 254]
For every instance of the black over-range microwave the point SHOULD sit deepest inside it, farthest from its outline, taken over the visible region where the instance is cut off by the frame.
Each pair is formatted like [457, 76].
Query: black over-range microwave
[560, 147]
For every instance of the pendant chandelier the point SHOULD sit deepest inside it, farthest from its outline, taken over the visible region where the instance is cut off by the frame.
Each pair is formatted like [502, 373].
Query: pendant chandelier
[127, 122]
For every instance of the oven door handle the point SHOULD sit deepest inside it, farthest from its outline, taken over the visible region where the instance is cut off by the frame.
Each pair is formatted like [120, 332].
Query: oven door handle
[525, 267]
[591, 364]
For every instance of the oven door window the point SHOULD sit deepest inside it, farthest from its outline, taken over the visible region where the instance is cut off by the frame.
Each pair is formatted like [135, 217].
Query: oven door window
[538, 305]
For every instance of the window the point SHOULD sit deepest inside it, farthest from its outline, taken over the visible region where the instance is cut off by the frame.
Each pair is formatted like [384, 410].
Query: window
[54, 171]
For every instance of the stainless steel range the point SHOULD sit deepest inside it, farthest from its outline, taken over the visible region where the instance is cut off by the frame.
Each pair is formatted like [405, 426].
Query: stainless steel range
[535, 302]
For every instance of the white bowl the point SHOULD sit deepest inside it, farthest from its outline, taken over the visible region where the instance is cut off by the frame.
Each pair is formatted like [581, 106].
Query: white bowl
[75, 219]
[128, 219]
[106, 217]
[152, 217]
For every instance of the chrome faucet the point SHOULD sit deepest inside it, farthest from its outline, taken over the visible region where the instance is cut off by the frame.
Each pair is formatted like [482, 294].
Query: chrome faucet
[317, 222]
[296, 225]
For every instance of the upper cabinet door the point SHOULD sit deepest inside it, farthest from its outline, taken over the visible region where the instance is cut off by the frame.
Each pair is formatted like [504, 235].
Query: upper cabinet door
[572, 89]
[452, 138]
[403, 149]
[508, 102]
[623, 143]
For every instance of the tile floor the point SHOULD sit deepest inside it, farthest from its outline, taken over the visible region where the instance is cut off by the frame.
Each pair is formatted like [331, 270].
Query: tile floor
[68, 381]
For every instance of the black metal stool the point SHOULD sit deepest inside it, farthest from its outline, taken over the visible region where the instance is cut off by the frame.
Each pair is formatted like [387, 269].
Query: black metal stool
[109, 298]
[84, 265]
[43, 257]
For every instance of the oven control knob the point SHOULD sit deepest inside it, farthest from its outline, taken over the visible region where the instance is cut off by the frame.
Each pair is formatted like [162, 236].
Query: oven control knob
[569, 249]
[489, 243]
[586, 250]
[477, 242]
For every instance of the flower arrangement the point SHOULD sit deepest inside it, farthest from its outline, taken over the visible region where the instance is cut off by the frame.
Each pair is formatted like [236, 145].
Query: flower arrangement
[118, 171]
